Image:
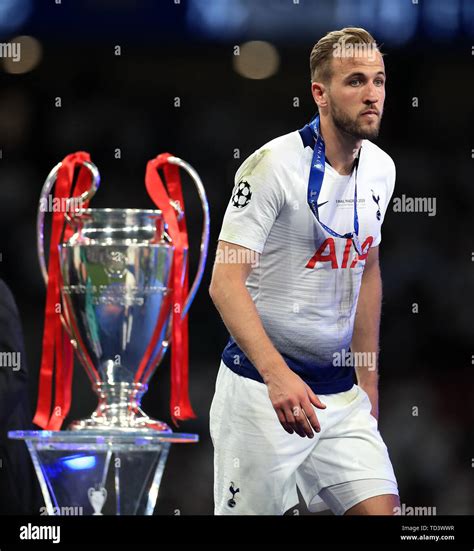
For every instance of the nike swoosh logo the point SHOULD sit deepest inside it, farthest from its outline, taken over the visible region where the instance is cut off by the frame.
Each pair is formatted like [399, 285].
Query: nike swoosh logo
[321, 204]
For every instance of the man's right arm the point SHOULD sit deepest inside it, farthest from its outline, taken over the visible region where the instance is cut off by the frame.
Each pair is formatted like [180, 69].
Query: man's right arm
[288, 393]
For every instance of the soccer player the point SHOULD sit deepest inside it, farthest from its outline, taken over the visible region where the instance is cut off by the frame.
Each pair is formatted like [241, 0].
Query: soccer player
[297, 283]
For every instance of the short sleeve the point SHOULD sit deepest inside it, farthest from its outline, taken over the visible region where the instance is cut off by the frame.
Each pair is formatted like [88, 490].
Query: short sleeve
[390, 186]
[256, 200]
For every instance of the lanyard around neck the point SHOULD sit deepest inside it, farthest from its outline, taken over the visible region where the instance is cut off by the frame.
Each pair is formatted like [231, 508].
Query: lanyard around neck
[315, 184]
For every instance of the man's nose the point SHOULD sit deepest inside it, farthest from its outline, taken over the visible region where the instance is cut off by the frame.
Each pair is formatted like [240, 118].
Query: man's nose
[372, 94]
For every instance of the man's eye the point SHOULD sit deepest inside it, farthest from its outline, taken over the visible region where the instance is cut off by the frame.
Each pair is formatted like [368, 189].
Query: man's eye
[379, 82]
[354, 82]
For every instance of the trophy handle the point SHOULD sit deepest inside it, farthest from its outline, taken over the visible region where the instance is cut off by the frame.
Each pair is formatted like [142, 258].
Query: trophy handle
[46, 190]
[205, 229]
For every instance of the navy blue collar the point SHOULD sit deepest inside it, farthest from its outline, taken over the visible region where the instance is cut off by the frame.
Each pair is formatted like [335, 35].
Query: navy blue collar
[307, 137]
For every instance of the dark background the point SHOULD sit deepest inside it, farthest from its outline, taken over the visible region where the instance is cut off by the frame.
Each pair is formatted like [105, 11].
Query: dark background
[186, 50]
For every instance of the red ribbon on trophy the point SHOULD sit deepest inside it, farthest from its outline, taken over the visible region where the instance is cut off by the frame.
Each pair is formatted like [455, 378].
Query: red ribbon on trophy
[57, 355]
[180, 406]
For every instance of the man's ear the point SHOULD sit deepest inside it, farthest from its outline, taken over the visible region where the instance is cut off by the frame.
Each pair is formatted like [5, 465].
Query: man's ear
[319, 94]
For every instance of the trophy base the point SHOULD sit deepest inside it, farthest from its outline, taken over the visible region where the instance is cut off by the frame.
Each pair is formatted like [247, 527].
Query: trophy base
[144, 423]
[119, 411]
[91, 472]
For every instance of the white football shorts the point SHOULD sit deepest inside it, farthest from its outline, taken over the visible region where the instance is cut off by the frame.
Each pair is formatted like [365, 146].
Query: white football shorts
[257, 464]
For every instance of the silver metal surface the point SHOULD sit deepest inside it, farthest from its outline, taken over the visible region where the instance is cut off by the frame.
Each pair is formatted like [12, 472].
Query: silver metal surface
[116, 272]
[205, 228]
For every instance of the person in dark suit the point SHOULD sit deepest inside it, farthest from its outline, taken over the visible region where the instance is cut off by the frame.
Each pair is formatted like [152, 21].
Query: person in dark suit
[19, 489]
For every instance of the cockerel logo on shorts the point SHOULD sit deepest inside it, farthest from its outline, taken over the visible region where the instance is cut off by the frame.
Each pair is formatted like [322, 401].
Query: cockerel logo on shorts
[242, 195]
[231, 502]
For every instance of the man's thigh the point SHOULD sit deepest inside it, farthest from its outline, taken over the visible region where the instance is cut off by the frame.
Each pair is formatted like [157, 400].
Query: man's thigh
[384, 504]
[362, 497]
[350, 451]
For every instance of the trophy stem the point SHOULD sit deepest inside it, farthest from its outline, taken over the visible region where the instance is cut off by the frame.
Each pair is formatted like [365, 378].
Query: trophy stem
[119, 409]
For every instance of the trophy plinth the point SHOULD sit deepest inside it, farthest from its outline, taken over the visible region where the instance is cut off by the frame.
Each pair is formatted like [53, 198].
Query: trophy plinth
[91, 472]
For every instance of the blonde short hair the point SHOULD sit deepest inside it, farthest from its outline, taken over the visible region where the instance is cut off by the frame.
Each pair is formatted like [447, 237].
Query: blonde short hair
[323, 50]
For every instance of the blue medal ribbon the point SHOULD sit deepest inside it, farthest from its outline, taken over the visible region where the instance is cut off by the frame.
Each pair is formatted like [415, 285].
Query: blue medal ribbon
[315, 183]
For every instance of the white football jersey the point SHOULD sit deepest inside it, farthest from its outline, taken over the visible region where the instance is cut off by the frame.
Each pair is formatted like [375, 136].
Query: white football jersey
[306, 285]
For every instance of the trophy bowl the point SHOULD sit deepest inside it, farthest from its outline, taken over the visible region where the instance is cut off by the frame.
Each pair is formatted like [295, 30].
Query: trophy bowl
[115, 280]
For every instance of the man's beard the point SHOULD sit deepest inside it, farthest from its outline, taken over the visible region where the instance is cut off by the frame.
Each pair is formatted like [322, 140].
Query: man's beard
[354, 128]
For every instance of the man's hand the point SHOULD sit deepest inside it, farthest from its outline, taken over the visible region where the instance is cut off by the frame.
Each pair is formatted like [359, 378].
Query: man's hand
[292, 400]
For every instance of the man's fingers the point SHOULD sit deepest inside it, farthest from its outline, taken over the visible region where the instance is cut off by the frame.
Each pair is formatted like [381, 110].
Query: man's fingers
[312, 417]
[293, 422]
[282, 419]
[300, 418]
[315, 400]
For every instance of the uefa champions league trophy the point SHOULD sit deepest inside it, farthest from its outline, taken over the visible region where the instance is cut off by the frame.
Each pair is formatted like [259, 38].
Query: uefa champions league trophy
[116, 278]
[97, 499]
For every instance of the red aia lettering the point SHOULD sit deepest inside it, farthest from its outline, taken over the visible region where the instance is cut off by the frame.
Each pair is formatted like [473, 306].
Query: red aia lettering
[321, 256]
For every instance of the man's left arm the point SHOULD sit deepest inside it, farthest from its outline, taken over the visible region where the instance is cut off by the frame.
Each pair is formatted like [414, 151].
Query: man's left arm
[366, 329]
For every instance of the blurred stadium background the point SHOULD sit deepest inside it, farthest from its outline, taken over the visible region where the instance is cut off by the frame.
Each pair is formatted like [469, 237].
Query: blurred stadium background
[177, 86]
